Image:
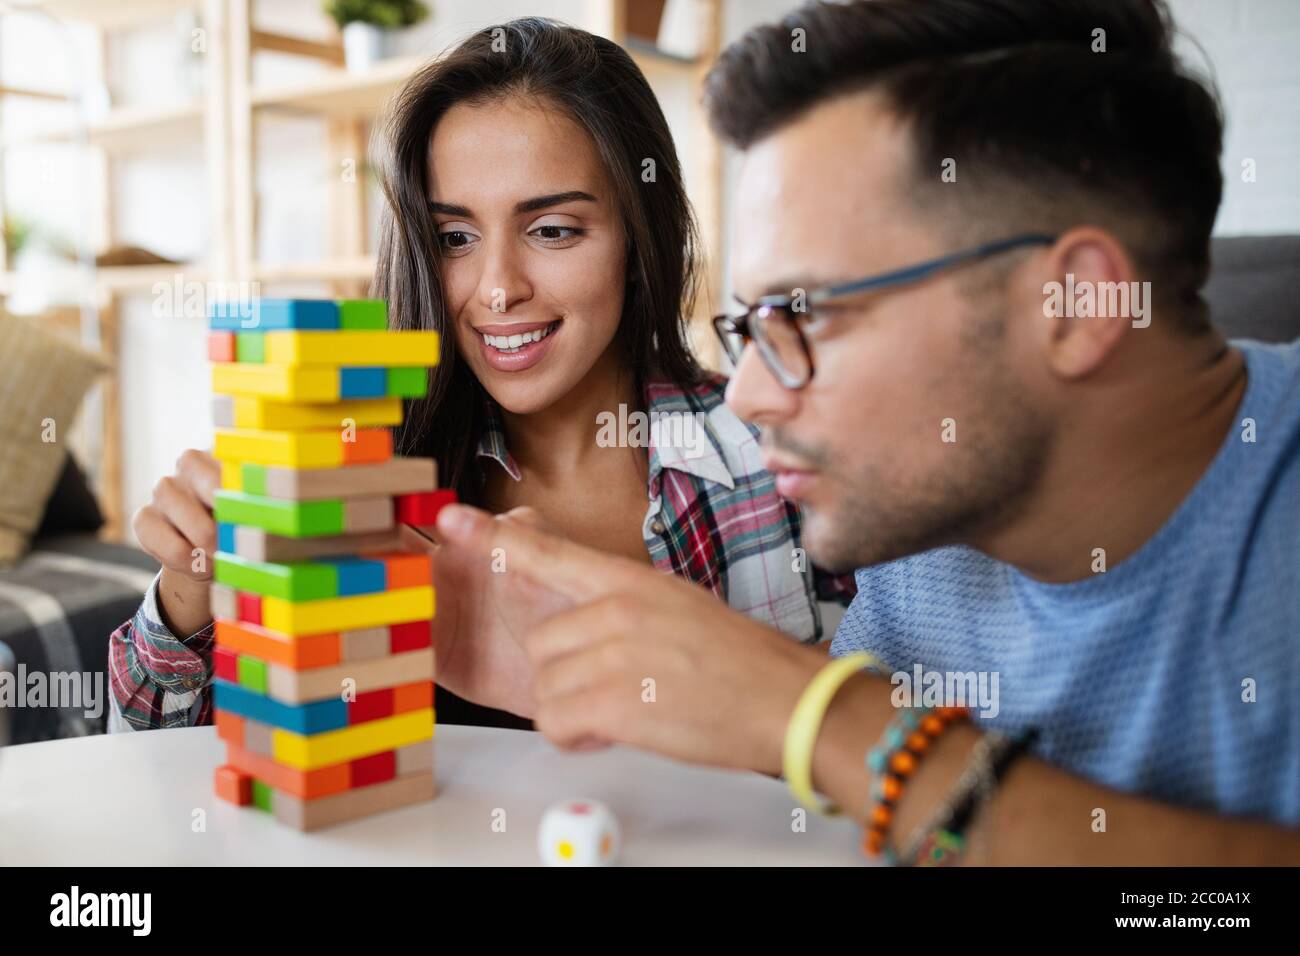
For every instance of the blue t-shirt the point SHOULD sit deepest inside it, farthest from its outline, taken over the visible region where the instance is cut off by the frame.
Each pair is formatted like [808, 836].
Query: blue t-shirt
[1140, 678]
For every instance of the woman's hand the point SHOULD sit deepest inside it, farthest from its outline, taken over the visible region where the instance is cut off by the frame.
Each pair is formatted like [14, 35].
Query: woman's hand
[177, 528]
[482, 613]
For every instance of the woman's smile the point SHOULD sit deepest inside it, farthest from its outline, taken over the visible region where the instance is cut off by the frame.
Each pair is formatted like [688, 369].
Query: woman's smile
[515, 347]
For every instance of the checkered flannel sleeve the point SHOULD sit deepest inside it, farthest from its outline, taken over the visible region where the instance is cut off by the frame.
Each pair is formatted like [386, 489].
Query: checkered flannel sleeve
[157, 679]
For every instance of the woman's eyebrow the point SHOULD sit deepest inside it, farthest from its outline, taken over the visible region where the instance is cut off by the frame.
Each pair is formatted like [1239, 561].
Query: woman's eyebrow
[449, 209]
[554, 199]
[528, 205]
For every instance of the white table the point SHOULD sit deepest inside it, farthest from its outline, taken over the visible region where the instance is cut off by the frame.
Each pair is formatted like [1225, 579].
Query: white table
[130, 798]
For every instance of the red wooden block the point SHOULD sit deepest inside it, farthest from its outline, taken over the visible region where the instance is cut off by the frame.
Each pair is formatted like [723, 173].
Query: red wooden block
[371, 705]
[411, 636]
[422, 508]
[225, 663]
[250, 608]
[221, 346]
[234, 786]
[374, 769]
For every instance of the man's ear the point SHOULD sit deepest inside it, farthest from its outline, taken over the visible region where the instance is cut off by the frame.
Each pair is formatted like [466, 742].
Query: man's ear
[1091, 298]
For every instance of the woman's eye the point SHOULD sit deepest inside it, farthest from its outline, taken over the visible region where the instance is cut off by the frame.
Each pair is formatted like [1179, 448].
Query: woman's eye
[557, 234]
[454, 240]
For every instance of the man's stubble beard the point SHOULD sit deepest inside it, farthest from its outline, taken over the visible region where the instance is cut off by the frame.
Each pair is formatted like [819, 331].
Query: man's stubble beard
[998, 456]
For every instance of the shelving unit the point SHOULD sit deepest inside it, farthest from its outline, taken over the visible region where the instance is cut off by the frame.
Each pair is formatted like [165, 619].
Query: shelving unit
[226, 120]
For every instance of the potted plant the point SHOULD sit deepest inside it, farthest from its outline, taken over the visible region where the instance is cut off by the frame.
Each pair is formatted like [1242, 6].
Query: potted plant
[367, 25]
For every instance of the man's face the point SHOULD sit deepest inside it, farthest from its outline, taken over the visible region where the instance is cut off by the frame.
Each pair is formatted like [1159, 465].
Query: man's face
[920, 427]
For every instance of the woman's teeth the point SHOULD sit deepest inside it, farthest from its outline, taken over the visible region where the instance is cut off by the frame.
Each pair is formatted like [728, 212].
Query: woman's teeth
[513, 343]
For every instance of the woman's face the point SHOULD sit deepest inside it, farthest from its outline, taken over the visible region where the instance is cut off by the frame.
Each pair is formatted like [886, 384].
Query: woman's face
[533, 248]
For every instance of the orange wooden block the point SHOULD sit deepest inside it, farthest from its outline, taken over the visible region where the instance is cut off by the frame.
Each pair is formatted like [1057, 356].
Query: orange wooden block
[307, 784]
[409, 697]
[405, 570]
[297, 653]
[372, 444]
[221, 346]
[234, 785]
[230, 727]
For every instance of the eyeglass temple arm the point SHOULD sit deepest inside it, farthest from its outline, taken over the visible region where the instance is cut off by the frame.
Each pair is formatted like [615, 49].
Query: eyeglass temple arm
[917, 272]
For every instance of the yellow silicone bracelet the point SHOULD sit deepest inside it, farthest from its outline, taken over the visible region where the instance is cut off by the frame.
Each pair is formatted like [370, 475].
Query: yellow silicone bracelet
[805, 724]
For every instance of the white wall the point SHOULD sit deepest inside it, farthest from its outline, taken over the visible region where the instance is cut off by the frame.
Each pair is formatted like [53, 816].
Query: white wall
[1253, 46]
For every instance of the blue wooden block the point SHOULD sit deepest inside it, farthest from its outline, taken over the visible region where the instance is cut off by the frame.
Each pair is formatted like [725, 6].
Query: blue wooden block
[363, 382]
[226, 537]
[314, 718]
[359, 575]
[262, 314]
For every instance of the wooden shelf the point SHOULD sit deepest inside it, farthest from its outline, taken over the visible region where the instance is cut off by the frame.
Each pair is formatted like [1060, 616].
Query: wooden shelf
[316, 270]
[107, 14]
[127, 129]
[108, 280]
[338, 93]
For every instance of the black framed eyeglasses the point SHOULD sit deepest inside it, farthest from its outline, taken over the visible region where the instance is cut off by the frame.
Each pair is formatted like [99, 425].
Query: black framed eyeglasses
[773, 322]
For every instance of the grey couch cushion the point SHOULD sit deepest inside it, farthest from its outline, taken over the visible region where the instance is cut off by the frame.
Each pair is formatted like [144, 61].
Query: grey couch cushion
[1252, 287]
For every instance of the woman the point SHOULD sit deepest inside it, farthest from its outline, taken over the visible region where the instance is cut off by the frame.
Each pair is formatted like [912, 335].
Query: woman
[537, 219]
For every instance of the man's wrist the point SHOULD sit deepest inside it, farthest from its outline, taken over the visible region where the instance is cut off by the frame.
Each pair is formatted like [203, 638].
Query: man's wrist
[853, 723]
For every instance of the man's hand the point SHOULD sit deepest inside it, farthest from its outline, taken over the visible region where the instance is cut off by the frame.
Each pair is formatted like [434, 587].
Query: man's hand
[177, 528]
[640, 657]
[482, 610]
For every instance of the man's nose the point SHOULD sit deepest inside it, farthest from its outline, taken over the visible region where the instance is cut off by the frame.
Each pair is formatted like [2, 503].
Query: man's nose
[754, 393]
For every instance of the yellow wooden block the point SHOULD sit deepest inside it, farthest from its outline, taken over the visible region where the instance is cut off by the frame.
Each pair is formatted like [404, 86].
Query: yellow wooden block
[232, 476]
[360, 740]
[252, 412]
[276, 381]
[347, 613]
[352, 348]
[322, 449]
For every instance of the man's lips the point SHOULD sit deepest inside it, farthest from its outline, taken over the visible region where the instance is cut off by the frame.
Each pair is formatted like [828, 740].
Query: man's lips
[791, 481]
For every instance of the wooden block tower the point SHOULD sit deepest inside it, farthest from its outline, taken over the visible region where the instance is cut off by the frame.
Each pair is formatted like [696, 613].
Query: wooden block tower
[324, 665]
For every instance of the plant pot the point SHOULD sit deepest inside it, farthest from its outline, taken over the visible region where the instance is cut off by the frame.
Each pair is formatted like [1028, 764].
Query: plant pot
[364, 45]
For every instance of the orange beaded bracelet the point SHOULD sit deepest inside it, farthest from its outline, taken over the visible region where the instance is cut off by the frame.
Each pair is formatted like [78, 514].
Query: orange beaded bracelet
[893, 761]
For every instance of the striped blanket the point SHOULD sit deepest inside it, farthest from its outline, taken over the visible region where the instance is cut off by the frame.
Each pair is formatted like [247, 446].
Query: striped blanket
[57, 607]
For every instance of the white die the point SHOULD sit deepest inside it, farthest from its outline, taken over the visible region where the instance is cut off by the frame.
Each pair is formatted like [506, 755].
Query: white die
[578, 833]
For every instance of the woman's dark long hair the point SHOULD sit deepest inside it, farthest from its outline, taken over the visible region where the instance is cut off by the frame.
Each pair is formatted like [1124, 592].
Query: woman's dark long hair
[595, 82]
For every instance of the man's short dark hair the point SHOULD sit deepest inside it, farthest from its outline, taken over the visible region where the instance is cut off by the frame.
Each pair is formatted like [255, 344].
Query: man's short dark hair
[1047, 130]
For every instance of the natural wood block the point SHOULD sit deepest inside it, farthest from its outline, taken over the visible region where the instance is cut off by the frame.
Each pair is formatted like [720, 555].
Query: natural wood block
[309, 815]
[364, 644]
[298, 687]
[417, 758]
[224, 602]
[396, 476]
[258, 544]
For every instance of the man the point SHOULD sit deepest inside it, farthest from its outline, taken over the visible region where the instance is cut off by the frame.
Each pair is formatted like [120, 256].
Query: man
[1049, 467]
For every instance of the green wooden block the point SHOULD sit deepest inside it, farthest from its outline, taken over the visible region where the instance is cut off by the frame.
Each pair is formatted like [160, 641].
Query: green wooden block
[293, 519]
[252, 673]
[359, 314]
[262, 795]
[253, 478]
[408, 381]
[290, 580]
[250, 346]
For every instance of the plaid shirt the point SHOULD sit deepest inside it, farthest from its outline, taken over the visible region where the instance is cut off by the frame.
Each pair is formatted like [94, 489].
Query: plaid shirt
[714, 518]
